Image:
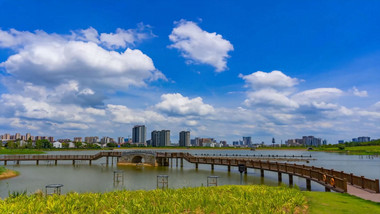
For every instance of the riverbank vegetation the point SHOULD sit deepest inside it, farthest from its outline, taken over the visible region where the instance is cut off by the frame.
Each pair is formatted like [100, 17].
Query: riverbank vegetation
[7, 173]
[353, 148]
[222, 199]
[4, 151]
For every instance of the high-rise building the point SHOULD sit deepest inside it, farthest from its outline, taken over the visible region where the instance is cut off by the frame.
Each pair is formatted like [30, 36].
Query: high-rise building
[247, 141]
[364, 139]
[155, 138]
[77, 139]
[139, 134]
[6, 136]
[28, 136]
[184, 138]
[120, 140]
[91, 139]
[164, 138]
[17, 136]
[311, 141]
[50, 139]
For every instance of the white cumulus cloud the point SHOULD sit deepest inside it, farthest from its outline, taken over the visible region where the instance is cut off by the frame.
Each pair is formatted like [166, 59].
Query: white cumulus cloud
[177, 104]
[358, 93]
[199, 46]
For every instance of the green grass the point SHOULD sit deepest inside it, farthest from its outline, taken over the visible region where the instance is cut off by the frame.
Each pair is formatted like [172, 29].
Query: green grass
[353, 150]
[2, 169]
[19, 151]
[326, 202]
[222, 199]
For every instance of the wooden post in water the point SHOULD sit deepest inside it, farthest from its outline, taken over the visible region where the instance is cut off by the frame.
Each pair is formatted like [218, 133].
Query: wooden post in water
[212, 167]
[262, 173]
[5, 163]
[327, 189]
[90, 162]
[56, 162]
[107, 160]
[196, 165]
[290, 179]
[229, 168]
[176, 162]
[308, 184]
[18, 162]
[279, 177]
[37, 162]
[181, 162]
[73, 162]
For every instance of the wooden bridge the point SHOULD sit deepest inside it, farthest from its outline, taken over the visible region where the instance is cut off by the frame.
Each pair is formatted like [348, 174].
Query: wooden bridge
[330, 178]
[56, 158]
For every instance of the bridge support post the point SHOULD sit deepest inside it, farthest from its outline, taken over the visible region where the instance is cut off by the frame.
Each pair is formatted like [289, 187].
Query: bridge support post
[18, 162]
[290, 180]
[107, 160]
[56, 162]
[229, 168]
[112, 161]
[308, 184]
[176, 162]
[181, 162]
[262, 173]
[377, 185]
[279, 177]
[90, 162]
[196, 165]
[327, 189]
[37, 161]
[73, 162]
[171, 162]
[212, 167]
[5, 163]
[246, 170]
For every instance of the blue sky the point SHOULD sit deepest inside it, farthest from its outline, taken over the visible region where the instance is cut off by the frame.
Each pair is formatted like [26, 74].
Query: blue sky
[221, 69]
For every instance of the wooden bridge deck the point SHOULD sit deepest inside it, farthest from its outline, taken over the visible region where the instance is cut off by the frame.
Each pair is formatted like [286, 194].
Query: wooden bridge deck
[340, 179]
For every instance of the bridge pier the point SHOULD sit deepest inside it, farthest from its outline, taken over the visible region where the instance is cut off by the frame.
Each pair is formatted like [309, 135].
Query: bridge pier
[181, 162]
[327, 189]
[107, 160]
[246, 170]
[171, 162]
[229, 168]
[196, 165]
[5, 163]
[176, 162]
[279, 177]
[55, 162]
[308, 184]
[290, 180]
[18, 162]
[262, 173]
[90, 162]
[112, 161]
[73, 162]
[37, 162]
[212, 167]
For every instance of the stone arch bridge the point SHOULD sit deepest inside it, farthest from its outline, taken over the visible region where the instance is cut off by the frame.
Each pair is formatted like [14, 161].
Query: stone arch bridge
[138, 157]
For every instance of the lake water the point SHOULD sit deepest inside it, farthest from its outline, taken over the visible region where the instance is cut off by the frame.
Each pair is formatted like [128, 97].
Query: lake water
[99, 177]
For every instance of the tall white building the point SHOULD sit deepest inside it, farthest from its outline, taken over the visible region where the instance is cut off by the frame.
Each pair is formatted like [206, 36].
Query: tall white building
[139, 134]
[184, 138]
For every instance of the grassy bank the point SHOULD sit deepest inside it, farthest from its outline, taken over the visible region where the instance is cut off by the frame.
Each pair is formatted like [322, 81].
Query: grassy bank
[222, 199]
[7, 173]
[4, 151]
[354, 150]
[323, 202]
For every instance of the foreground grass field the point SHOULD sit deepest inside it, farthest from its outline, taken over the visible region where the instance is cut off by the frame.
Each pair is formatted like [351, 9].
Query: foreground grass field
[222, 199]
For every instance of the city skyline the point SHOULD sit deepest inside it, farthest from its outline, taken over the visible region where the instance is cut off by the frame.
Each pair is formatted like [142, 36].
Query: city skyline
[220, 69]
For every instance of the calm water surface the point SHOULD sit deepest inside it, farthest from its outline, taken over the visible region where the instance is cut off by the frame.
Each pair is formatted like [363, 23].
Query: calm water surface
[99, 177]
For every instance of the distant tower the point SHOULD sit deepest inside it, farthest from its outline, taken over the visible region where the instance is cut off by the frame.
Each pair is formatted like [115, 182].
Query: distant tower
[139, 134]
[184, 138]
[273, 141]
[164, 138]
[155, 138]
